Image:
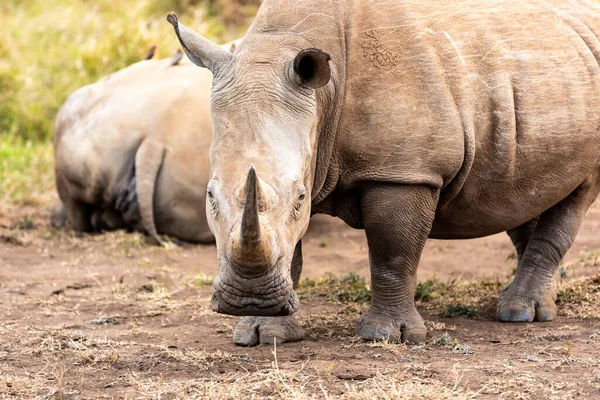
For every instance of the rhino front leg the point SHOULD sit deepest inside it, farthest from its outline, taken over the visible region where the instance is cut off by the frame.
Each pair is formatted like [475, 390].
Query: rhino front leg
[253, 330]
[397, 220]
[530, 295]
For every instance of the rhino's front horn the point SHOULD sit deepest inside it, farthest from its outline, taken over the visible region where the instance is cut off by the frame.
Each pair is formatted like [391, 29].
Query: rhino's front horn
[250, 229]
[251, 244]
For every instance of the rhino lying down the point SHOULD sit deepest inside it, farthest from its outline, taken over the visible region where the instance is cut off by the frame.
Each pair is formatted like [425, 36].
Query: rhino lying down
[408, 119]
[132, 150]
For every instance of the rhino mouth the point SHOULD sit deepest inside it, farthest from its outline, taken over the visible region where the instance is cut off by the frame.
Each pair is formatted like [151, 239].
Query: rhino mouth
[230, 298]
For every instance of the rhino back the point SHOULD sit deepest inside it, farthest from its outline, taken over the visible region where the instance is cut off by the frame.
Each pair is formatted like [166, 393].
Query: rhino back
[496, 102]
[89, 149]
[103, 125]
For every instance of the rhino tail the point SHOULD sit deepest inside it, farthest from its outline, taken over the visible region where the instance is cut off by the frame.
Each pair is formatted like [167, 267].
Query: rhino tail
[58, 217]
[148, 160]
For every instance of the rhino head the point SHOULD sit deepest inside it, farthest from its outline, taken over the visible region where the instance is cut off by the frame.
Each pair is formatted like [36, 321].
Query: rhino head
[266, 113]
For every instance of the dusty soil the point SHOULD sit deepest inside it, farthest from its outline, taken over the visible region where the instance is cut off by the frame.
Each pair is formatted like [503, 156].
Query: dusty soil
[93, 316]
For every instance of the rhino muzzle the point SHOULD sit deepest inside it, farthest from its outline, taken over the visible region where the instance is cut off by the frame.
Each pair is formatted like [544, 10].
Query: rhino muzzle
[286, 308]
[271, 301]
[254, 277]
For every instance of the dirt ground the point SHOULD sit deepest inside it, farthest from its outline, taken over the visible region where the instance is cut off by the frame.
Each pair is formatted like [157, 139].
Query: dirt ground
[109, 316]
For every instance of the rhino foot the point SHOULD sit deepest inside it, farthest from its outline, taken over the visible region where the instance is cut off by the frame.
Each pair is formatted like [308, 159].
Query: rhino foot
[58, 218]
[515, 308]
[375, 326]
[253, 330]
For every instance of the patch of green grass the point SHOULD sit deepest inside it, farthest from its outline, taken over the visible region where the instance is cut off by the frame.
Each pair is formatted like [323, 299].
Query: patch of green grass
[470, 299]
[307, 283]
[350, 288]
[423, 292]
[428, 290]
[447, 299]
[324, 241]
[459, 310]
[443, 340]
[512, 255]
[25, 224]
[448, 341]
[562, 272]
[199, 280]
[26, 171]
[353, 288]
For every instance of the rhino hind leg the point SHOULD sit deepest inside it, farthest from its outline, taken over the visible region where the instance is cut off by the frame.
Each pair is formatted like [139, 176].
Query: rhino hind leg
[520, 237]
[530, 296]
[546, 308]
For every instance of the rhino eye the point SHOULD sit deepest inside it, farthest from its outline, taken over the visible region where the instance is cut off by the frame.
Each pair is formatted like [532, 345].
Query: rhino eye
[296, 210]
[302, 194]
[298, 204]
[213, 203]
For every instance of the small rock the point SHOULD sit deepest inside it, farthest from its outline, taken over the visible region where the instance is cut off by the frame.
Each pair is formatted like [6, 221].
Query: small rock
[106, 321]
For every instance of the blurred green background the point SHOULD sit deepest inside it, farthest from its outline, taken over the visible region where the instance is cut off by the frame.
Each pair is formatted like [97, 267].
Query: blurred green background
[50, 48]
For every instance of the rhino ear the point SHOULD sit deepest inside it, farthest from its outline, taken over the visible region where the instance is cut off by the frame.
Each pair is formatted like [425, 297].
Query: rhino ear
[311, 67]
[199, 50]
[232, 47]
[151, 53]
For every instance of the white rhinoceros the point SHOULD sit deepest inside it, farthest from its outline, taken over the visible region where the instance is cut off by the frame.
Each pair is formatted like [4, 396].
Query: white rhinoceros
[409, 119]
[131, 151]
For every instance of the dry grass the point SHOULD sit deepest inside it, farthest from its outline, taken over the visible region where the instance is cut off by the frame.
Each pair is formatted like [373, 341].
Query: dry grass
[350, 288]
[69, 358]
[300, 383]
[471, 299]
[152, 335]
[580, 298]
[69, 355]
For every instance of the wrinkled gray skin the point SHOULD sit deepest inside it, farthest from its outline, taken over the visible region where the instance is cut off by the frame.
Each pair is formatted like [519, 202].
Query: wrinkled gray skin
[407, 119]
[132, 151]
